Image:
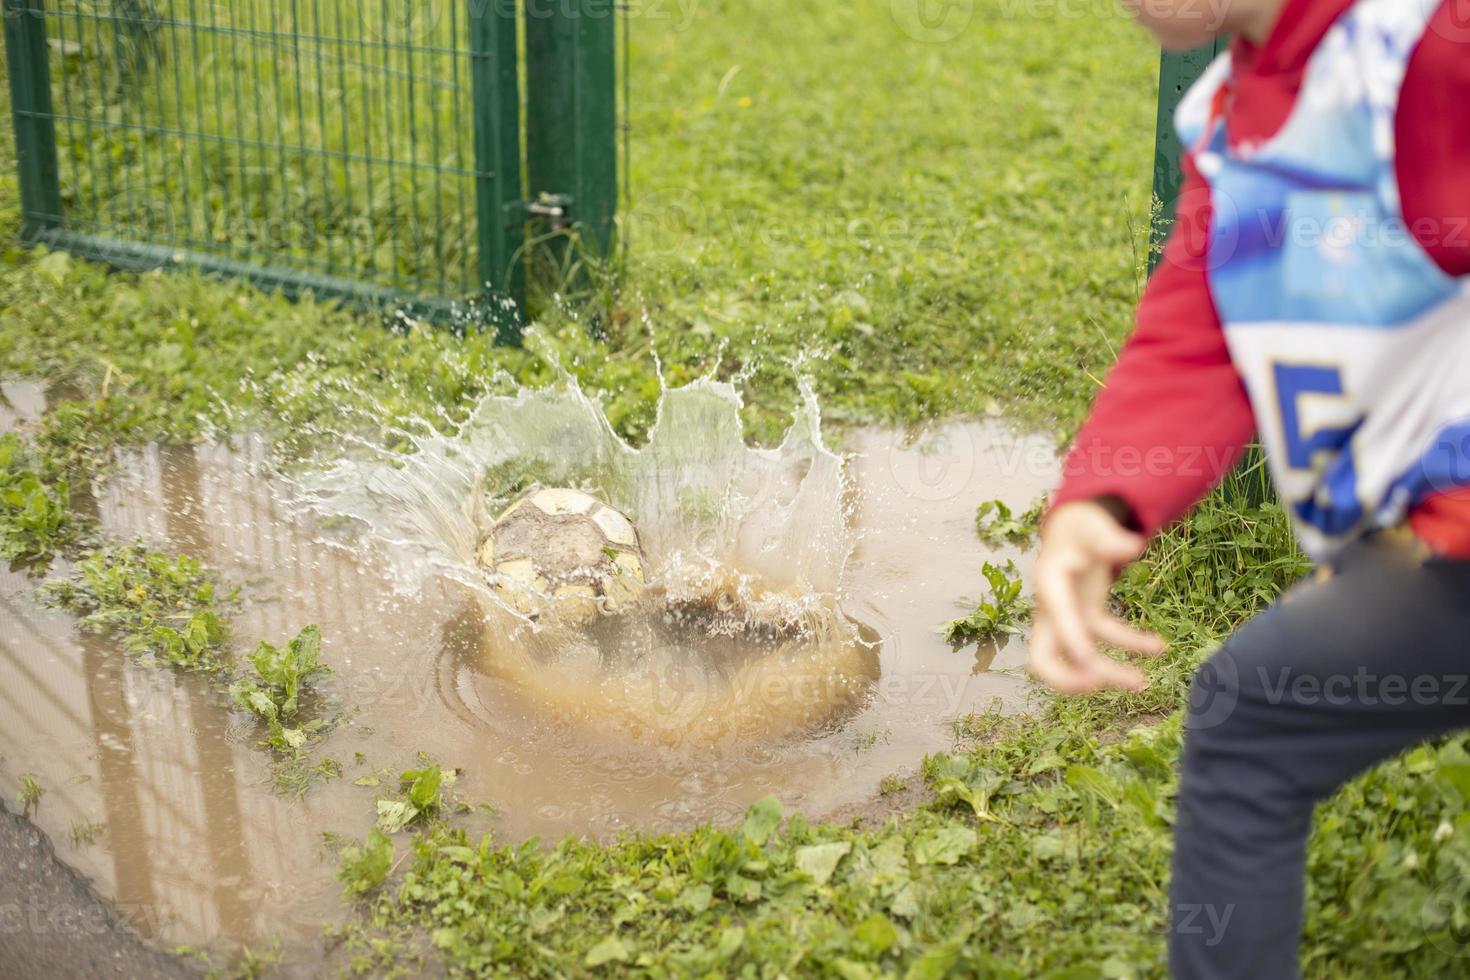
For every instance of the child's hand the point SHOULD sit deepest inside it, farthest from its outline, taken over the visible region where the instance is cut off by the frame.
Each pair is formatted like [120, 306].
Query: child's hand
[1082, 547]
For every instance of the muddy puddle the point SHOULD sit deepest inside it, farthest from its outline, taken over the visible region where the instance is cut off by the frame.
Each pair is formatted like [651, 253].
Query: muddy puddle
[194, 846]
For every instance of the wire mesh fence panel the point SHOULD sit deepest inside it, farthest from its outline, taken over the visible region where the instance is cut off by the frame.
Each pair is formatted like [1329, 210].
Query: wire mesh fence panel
[361, 149]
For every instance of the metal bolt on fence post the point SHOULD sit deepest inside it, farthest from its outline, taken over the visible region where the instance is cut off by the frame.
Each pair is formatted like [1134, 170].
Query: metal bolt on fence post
[571, 116]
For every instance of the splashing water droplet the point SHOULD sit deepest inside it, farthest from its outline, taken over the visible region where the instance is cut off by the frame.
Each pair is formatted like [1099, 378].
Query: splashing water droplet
[739, 634]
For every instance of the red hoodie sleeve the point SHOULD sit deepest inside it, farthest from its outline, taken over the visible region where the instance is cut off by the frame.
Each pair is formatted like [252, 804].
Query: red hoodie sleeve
[1433, 141]
[1173, 417]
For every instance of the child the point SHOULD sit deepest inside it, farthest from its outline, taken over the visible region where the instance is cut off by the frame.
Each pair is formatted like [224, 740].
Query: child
[1315, 292]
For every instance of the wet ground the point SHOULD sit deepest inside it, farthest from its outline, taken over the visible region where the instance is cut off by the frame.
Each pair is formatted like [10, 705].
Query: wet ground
[52, 924]
[194, 847]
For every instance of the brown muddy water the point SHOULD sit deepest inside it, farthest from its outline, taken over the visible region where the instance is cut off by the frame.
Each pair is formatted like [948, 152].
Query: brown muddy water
[196, 848]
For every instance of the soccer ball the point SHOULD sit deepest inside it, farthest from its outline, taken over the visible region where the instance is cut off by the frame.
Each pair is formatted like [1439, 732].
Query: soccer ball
[564, 551]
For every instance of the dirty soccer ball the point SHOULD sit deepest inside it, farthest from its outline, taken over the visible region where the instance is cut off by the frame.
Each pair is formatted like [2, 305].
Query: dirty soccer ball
[567, 551]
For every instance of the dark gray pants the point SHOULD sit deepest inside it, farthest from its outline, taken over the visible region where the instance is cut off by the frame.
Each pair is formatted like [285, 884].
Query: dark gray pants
[1345, 670]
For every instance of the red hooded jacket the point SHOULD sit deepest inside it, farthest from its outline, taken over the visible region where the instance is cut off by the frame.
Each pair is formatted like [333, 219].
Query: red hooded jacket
[1173, 416]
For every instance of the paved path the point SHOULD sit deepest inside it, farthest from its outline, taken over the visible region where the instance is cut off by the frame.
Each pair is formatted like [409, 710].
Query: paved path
[52, 925]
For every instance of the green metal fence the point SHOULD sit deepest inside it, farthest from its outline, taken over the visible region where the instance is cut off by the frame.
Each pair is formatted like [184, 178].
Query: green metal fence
[363, 150]
[1177, 71]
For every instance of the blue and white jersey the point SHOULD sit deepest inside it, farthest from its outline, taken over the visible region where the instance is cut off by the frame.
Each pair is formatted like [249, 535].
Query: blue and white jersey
[1353, 345]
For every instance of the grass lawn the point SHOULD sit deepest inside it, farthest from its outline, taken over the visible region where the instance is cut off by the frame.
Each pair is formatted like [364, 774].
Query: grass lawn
[928, 229]
[944, 225]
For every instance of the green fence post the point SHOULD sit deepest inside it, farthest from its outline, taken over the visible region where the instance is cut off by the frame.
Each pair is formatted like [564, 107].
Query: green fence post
[30, 106]
[1177, 71]
[499, 211]
[571, 116]
[1248, 485]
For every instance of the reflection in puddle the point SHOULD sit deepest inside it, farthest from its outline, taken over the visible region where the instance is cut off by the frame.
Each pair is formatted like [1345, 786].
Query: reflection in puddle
[195, 848]
[21, 402]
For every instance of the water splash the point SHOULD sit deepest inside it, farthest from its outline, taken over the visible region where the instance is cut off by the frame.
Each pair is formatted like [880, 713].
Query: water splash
[741, 633]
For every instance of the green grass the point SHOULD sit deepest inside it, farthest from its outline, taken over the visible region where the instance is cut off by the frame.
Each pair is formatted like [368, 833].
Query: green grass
[161, 607]
[34, 514]
[1003, 613]
[937, 227]
[997, 526]
[950, 223]
[84, 833]
[280, 678]
[925, 229]
[30, 793]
